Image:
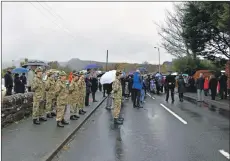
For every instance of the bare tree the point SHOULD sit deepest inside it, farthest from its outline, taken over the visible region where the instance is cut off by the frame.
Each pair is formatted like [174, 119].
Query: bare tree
[171, 33]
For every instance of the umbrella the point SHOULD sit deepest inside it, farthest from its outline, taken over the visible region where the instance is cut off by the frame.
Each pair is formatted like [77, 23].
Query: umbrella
[92, 66]
[131, 73]
[20, 70]
[108, 77]
[35, 63]
[142, 69]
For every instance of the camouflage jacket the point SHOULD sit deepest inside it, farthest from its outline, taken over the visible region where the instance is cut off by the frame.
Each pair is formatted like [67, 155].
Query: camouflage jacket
[38, 87]
[50, 86]
[117, 89]
[74, 92]
[82, 86]
[62, 93]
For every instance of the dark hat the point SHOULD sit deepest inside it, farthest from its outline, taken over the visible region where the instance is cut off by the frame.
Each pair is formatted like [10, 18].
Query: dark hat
[76, 74]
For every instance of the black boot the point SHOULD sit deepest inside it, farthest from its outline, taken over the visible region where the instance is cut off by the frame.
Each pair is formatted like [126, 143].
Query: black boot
[49, 115]
[73, 117]
[53, 114]
[81, 112]
[95, 101]
[36, 122]
[117, 121]
[64, 122]
[76, 116]
[42, 119]
[121, 119]
[59, 124]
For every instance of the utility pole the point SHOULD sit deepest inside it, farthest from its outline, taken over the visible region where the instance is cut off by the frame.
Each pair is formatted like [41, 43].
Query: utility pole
[159, 56]
[107, 55]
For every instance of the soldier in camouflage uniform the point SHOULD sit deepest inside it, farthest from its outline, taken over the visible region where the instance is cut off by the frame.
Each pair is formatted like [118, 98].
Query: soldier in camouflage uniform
[74, 97]
[50, 95]
[38, 87]
[117, 94]
[62, 93]
[82, 91]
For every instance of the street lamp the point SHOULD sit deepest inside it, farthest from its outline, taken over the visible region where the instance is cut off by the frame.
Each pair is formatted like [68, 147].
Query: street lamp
[159, 56]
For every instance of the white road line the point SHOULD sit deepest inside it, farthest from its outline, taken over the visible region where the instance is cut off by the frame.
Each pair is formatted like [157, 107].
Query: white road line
[224, 153]
[174, 114]
[150, 96]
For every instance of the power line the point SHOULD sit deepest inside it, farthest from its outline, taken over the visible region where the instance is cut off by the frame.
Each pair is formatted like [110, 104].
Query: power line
[58, 25]
[57, 16]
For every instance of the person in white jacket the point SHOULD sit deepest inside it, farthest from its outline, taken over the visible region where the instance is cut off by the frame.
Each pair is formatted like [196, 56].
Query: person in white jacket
[30, 78]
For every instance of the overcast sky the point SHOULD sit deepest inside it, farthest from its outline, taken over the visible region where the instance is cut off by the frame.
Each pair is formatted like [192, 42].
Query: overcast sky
[61, 31]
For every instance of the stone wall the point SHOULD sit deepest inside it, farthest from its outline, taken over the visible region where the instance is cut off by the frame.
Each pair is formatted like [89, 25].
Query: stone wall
[16, 107]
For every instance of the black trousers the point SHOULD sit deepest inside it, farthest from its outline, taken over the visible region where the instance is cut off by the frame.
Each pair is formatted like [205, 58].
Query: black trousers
[87, 99]
[172, 93]
[136, 97]
[213, 94]
[9, 91]
[93, 96]
[223, 92]
[181, 96]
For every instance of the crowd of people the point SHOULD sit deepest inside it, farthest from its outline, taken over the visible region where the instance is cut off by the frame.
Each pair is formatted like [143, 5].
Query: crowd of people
[52, 96]
[16, 84]
[212, 86]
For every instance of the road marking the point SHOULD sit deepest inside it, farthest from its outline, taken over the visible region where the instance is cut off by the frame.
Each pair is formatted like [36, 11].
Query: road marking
[174, 114]
[224, 153]
[150, 96]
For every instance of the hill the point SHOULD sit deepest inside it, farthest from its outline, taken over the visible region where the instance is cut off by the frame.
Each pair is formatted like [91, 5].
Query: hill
[77, 64]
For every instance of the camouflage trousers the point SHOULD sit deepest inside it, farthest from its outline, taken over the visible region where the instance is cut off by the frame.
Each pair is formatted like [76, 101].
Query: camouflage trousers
[38, 109]
[116, 107]
[74, 110]
[49, 104]
[81, 102]
[60, 112]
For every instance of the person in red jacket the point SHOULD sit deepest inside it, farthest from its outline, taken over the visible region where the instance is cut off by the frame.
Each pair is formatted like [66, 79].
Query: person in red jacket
[206, 86]
[70, 77]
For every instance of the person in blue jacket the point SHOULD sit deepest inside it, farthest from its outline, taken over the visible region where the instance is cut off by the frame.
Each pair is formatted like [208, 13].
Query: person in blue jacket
[137, 86]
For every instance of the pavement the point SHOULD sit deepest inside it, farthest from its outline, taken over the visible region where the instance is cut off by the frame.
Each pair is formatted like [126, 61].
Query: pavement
[24, 141]
[222, 106]
[160, 131]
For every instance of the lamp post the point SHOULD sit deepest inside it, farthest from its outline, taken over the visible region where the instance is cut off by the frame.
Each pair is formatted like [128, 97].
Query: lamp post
[159, 56]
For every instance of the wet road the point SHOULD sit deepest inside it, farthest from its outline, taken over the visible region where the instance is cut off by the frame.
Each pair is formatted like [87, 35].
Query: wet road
[159, 132]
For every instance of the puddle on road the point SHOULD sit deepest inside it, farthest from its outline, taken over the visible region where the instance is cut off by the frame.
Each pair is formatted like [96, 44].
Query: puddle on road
[212, 108]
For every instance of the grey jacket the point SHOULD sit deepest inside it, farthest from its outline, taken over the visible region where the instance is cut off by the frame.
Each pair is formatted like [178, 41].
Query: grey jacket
[181, 85]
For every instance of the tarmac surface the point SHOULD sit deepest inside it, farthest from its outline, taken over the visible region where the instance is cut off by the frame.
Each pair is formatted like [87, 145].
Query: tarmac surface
[160, 131]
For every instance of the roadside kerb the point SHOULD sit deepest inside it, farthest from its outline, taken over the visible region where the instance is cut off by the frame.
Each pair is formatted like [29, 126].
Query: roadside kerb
[222, 107]
[50, 156]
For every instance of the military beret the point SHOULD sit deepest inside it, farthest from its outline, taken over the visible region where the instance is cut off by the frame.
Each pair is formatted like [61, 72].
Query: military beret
[62, 73]
[80, 73]
[39, 69]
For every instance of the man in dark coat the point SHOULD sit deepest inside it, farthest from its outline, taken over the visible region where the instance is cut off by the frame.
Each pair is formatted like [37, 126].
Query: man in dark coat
[212, 86]
[8, 82]
[94, 87]
[88, 86]
[223, 86]
[170, 85]
[24, 82]
[181, 87]
[17, 84]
